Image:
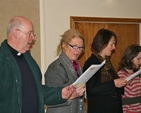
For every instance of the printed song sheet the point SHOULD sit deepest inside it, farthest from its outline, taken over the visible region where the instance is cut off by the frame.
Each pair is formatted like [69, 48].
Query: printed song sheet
[88, 74]
[133, 75]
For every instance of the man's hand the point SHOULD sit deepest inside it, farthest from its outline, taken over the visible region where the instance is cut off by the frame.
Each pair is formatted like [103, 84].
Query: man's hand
[67, 91]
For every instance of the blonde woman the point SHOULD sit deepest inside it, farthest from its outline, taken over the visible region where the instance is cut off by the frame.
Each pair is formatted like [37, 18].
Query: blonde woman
[65, 70]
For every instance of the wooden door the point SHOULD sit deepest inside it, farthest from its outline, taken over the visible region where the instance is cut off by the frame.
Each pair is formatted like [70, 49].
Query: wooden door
[127, 31]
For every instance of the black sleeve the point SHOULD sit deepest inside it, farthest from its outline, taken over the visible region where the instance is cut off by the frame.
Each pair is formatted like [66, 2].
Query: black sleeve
[94, 85]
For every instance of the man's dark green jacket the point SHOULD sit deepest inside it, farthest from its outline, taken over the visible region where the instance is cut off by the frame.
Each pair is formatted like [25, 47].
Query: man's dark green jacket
[10, 83]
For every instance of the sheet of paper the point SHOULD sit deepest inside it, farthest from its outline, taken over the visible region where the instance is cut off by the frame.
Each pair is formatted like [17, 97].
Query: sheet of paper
[133, 75]
[88, 74]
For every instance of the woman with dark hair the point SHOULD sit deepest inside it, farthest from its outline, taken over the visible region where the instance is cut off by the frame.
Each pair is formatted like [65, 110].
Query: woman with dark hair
[104, 89]
[129, 64]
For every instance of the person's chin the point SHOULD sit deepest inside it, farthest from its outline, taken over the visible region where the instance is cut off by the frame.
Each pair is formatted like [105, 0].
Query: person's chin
[109, 54]
[27, 49]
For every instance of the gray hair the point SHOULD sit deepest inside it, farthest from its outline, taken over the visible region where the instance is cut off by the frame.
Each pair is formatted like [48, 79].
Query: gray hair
[13, 24]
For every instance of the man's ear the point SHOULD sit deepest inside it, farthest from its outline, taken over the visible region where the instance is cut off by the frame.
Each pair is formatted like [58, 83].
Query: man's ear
[15, 33]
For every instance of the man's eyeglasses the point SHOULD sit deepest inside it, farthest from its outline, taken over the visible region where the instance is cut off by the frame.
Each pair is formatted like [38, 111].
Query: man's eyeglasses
[76, 47]
[29, 34]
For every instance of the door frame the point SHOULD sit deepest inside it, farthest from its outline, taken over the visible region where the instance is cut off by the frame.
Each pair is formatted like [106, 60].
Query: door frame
[74, 19]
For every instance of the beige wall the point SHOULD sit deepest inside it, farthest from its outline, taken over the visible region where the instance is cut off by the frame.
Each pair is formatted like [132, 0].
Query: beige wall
[55, 19]
[52, 17]
[27, 8]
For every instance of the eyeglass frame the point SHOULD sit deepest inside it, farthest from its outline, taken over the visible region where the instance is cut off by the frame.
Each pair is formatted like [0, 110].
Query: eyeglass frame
[30, 33]
[76, 47]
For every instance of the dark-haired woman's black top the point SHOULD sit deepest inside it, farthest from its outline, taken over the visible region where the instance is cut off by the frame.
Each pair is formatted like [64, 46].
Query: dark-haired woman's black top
[102, 95]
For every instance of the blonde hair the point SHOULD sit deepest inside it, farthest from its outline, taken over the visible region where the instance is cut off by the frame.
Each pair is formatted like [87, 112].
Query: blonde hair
[66, 38]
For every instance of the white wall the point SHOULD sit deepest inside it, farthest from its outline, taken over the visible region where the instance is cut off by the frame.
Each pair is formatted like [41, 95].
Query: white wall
[55, 19]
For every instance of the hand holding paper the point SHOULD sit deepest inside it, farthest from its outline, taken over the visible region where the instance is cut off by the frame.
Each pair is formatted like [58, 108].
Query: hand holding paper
[133, 75]
[79, 91]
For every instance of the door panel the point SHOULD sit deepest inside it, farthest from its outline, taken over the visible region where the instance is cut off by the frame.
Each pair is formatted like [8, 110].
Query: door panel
[126, 34]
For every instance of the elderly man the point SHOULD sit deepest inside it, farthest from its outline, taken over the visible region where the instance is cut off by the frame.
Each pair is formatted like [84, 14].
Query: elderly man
[21, 90]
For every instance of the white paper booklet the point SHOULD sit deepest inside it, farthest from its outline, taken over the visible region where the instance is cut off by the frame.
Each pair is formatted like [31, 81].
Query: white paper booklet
[133, 75]
[88, 74]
